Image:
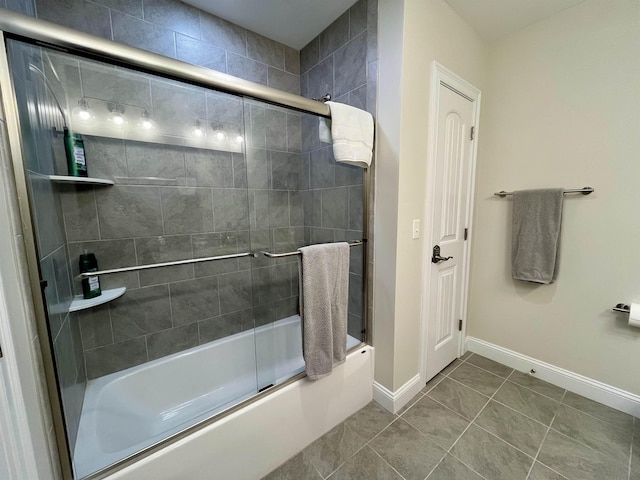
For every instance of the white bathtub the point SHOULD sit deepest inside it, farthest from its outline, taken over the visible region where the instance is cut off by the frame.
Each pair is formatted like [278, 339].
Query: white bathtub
[127, 411]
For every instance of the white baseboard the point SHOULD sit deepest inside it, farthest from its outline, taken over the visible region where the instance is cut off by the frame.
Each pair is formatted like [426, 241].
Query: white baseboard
[585, 386]
[394, 401]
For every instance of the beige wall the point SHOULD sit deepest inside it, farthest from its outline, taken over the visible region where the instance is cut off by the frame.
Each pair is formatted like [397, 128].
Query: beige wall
[431, 31]
[561, 108]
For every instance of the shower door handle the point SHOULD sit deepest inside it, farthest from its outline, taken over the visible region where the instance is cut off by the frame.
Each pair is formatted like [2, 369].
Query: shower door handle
[436, 258]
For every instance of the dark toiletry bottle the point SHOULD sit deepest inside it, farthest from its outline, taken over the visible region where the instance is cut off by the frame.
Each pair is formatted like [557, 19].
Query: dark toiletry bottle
[90, 285]
[76, 158]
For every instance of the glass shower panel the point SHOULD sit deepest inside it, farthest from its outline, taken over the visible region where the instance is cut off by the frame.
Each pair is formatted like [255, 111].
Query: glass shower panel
[175, 344]
[333, 207]
[298, 195]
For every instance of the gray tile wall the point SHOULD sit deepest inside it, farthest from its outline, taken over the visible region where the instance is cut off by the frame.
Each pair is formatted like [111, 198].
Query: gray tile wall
[173, 308]
[178, 30]
[173, 202]
[138, 220]
[342, 61]
[25, 7]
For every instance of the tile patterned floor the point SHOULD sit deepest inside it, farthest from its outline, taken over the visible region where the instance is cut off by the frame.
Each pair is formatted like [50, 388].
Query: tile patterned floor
[476, 420]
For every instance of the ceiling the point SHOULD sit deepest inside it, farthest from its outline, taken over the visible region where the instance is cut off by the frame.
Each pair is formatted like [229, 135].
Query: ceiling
[292, 22]
[297, 22]
[493, 19]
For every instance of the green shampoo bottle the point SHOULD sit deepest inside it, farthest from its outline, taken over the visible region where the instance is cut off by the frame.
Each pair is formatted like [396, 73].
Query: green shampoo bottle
[90, 285]
[76, 158]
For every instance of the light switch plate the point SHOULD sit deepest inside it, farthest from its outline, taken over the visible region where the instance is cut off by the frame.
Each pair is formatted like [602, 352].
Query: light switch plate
[416, 229]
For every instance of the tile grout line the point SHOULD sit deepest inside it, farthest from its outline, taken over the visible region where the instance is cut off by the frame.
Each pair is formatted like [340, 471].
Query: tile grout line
[564, 390]
[559, 402]
[521, 413]
[448, 452]
[593, 416]
[504, 441]
[535, 459]
[363, 446]
[580, 442]
[476, 416]
[513, 370]
[473, 470]
[390, 466]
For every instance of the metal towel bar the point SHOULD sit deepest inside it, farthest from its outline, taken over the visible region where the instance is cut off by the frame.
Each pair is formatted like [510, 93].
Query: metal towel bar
[291, 254]
[196, 260]
[583, 190]
[165, 264]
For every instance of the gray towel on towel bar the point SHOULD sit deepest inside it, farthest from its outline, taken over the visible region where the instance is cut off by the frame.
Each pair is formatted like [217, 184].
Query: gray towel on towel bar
[324, 294]
[537, 218]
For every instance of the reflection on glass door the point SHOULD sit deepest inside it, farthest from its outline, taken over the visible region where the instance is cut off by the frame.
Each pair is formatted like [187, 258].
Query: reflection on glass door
[154, 350]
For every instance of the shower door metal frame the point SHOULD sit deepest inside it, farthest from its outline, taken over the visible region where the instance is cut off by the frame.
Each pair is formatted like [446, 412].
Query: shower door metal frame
[46, 34]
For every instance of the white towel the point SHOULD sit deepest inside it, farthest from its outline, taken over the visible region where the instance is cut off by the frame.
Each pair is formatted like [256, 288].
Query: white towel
[352, 132]
[324, 297]
[324, 130]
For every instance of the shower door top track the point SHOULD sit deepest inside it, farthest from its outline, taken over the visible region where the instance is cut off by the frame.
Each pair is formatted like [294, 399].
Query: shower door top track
[60, 37]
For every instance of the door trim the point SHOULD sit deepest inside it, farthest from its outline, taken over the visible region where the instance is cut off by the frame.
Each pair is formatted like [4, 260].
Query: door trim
[440, 75]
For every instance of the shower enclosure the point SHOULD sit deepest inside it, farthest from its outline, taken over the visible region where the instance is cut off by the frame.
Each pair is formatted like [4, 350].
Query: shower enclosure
[192, 197]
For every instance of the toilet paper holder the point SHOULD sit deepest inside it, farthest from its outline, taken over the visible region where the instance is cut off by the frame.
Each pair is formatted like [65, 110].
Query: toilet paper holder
[621, 307]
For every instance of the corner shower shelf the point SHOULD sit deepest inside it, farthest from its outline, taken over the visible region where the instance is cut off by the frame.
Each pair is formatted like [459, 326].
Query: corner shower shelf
[79, 303]
[80, 180]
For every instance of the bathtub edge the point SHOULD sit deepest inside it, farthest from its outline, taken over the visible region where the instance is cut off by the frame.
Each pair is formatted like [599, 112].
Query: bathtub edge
[252, 441]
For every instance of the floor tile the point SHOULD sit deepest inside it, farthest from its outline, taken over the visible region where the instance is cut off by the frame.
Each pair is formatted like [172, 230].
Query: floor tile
[527, 402]
[365, 465]
[369, 421]
[432, 383]
[635, 475]
[512, 427]
[490, 456]
[407, 450]
[578, 462]
[537, 385]
[333, 449]
[489, 365]
[601, 436]
[476, 378]
[451, 367]
[466, 355]
[458, 398]
[598, 410]
[439, 423]
[297, 468]
[451, 468]
[542, 472]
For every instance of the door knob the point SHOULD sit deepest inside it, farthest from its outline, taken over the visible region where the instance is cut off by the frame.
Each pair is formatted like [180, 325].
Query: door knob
[436, 258]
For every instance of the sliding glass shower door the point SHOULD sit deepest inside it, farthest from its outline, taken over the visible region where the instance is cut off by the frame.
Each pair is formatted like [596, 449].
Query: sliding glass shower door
[298, 195]
[156, 348]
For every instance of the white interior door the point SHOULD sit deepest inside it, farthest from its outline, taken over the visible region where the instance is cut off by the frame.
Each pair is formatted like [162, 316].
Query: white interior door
[452, 172]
